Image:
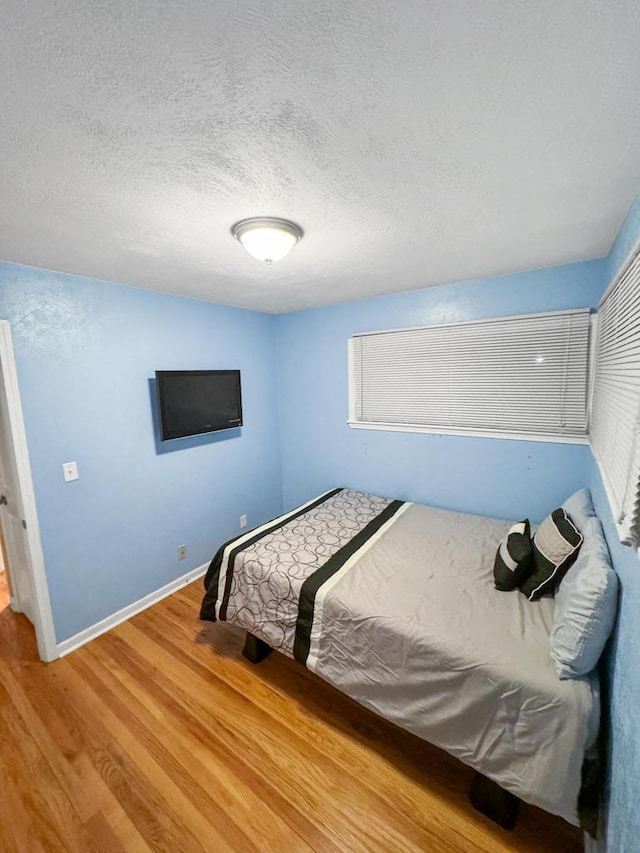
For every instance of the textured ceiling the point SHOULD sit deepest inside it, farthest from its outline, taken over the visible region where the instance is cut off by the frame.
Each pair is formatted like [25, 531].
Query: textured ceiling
[416, 142]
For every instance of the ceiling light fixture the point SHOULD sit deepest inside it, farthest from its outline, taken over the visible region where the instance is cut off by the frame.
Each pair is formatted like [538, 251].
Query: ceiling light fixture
[267, 238]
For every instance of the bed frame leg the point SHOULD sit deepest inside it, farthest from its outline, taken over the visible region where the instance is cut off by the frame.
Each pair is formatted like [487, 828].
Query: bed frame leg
[493, 801]
[255, 649]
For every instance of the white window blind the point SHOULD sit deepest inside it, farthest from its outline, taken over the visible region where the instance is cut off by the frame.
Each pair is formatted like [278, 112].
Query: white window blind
[520, 376]
[615, 411]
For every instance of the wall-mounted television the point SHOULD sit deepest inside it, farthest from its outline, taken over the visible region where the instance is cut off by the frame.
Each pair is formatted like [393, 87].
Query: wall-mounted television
[193, 402]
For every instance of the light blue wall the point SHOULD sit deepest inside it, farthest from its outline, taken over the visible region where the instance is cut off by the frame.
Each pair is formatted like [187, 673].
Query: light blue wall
[503, 478]
[86, 352]
[623, 822]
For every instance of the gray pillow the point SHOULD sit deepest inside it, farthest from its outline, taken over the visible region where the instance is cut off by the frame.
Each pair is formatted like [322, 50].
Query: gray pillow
[555, 547]
[580, 507]
[585, 606]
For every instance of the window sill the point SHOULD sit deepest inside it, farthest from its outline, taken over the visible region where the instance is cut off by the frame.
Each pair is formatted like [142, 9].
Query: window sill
[515, 436]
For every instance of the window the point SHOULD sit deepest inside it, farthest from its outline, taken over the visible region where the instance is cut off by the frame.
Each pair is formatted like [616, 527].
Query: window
[615, 410]
[520, 377]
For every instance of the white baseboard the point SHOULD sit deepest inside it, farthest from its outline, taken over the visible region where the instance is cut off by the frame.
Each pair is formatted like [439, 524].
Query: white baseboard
[83, 637]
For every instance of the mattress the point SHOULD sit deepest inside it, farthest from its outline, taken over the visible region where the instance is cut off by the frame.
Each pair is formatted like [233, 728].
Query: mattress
[393, 603]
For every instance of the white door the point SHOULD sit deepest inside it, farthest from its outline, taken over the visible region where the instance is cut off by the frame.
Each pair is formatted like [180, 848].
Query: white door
[18, 513]
[12, 518]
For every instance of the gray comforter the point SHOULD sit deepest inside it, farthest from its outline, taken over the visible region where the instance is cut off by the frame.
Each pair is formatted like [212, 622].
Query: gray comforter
[394, 604]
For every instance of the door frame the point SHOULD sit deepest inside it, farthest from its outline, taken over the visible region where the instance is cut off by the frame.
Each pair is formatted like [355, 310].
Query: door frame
[35, 571]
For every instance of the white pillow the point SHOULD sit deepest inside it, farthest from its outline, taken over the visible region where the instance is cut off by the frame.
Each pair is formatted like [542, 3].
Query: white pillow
[587, 599]
[580, 507]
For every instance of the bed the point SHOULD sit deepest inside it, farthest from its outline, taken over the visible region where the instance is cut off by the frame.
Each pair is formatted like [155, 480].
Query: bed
[393, 603]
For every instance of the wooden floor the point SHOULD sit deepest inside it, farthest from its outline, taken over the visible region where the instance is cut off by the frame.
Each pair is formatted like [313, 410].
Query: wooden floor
[4, 591]
[160, 736]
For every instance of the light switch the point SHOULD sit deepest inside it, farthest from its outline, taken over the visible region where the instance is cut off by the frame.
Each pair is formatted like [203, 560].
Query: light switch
[70, 471]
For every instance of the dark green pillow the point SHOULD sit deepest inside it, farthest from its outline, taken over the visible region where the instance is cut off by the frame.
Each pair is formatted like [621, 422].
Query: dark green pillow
[555, 547]
[514, 557]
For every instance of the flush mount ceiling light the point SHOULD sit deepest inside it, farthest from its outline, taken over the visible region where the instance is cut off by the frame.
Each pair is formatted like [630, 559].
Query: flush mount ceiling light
[267, 238]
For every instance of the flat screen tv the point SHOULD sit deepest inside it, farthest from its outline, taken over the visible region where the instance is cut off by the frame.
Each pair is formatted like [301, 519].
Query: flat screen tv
[193, 402]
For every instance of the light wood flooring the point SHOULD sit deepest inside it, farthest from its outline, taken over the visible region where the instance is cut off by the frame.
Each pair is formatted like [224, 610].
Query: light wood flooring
[160, 736]
[4, 591]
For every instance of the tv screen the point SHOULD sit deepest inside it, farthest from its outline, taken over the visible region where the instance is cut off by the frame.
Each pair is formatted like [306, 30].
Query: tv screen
[193, 402]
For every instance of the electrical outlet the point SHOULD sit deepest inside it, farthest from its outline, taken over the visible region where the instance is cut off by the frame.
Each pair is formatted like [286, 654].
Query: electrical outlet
[70, 471]
[182, 552]
[243, 521]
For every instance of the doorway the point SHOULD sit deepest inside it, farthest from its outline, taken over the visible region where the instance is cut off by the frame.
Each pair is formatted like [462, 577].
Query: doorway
[19, 531]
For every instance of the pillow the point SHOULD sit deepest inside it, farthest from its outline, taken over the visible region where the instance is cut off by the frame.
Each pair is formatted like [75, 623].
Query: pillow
[514, 557]
[579, 507]
[555, 547]
[585, 607]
